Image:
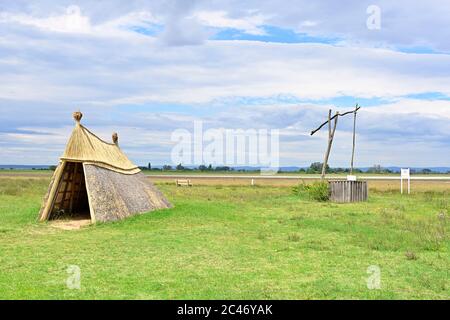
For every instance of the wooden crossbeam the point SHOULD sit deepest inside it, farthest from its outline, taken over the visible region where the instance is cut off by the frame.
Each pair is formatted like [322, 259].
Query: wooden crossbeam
[331, 132]
[332, 118]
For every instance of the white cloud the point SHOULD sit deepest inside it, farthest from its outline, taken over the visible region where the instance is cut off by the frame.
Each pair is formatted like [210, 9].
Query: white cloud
[431, 108]
[251, 24]
[404, 23]
[100, 70]
[72, 21]
[59, 61]
[308, 24]
[213, 71]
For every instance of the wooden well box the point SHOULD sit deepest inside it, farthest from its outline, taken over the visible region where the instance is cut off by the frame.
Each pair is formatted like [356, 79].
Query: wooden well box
[348, 191]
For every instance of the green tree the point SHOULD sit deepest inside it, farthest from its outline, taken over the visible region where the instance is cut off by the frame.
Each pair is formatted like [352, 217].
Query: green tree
[223, 168]
[316, 167]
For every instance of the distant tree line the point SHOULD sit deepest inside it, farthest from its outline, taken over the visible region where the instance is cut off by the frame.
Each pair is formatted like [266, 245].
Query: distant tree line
[180, 167]
[379, 169]
[314, 168]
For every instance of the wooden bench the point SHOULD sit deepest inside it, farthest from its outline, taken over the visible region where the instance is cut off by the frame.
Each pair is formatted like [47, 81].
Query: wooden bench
[183, 182]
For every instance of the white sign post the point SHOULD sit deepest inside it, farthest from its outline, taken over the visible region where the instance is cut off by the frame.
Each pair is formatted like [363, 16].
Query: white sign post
[405, 174]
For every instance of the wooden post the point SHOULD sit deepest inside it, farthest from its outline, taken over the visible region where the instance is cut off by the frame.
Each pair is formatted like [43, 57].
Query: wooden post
[331, 132]
[327, 153]
[73, 185]
[57, 178]
[354, 139]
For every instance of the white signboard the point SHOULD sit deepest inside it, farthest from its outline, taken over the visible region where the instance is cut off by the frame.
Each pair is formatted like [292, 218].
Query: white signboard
[405, 174]
[351, 178]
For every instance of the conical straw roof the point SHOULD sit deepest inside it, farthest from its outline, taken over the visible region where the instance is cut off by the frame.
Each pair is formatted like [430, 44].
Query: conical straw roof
[84, 146]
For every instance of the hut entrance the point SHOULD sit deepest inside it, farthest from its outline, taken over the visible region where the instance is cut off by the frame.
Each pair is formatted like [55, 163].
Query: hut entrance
[71, 199]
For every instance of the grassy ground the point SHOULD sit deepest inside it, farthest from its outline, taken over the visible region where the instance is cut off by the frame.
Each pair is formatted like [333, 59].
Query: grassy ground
[231, 242]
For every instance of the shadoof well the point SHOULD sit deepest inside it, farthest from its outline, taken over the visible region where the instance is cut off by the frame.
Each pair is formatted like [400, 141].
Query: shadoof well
[349, 190]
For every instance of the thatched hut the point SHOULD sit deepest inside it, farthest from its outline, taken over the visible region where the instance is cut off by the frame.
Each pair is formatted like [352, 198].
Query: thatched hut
[95, 180]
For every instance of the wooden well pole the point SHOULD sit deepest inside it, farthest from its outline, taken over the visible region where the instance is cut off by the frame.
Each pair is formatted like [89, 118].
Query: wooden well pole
[354, 139]
[331, 132]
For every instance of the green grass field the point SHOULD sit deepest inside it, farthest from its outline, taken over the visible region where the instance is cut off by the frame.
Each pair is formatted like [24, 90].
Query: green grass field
[231, 242]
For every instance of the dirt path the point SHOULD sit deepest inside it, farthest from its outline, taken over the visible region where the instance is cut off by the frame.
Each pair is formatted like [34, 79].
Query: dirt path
[70, 224]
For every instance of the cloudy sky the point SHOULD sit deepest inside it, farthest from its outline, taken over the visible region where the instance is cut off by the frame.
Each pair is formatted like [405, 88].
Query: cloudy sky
[147, 68]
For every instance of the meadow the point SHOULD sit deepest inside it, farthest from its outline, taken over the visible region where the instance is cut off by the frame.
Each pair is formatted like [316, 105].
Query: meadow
[231, 242]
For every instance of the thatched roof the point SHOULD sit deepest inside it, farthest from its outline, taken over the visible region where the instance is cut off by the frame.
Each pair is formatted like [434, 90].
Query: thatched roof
[96, 179]
[84, 146]
[114, 196]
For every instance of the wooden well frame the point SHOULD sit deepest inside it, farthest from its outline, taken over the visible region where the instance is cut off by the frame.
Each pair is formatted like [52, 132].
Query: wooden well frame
[344, 191]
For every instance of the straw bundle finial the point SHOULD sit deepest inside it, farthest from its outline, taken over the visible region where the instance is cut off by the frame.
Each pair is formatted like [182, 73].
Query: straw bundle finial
[77, 116]
[115, 138]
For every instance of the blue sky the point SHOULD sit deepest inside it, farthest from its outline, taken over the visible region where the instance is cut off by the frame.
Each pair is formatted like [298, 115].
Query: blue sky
[147, 69]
